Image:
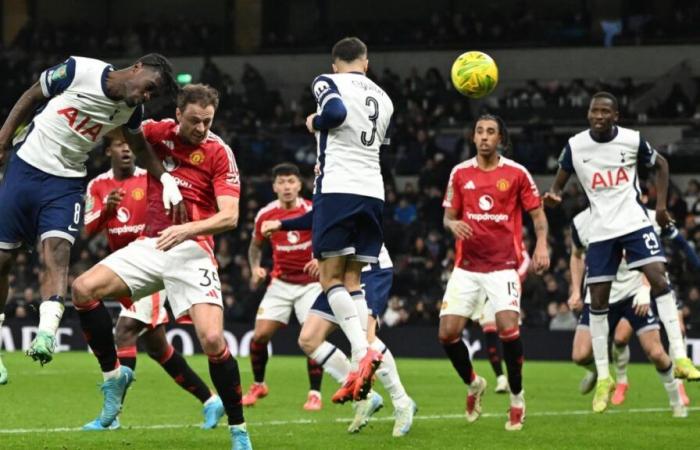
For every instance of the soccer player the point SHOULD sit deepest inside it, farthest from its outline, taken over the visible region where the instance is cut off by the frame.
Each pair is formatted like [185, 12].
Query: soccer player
[605, 158]
[485, 199]
[294, 285]
[487, 320]
[350, 125]
[629, 298]
[176, 257]
[376, 282]
[116, 204]
[42, 191]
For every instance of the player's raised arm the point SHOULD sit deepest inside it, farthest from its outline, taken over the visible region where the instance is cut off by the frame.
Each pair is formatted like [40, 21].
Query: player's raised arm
[552, 198]
[333, 111]
[27, 103]
[149, 160]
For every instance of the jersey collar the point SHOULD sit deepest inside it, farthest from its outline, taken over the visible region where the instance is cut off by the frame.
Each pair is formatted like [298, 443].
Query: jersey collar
[603, 141]
[105, 74]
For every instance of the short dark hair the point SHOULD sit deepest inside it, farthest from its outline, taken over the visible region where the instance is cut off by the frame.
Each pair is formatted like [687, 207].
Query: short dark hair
[284, 169]
[608, 95]
[201, 94]
[108, 138]
[348, 49]
[161, 65]
[502, 129]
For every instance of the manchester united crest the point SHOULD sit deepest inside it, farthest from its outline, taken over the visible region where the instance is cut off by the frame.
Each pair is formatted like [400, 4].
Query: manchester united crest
[197, 157]
[138, 194]
[502, 185]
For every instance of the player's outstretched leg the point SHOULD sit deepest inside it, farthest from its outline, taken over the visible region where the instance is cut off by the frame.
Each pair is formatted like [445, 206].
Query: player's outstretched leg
[650, 341]
[3, 370]
[176, 366]
[209, 322]
[315, 372]
[97, 329]
[513, 355]
[404, 407]
[683, 367]
[56, 256]
[491, 341]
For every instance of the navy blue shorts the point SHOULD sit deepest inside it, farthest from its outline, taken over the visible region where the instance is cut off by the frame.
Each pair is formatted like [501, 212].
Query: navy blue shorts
[376, 283]
[639, 248]
[35, 204]
[347, 224]
[624, 310]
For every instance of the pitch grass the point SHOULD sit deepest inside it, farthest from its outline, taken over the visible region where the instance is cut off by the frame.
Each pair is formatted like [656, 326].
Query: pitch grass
[159, 415]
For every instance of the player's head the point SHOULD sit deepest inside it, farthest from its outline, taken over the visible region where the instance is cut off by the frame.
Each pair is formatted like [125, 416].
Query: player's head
[196, 106]
[349, 55]
[602, 112]
[118, 151]
[490, 134]
[286, 182]
[149, 77]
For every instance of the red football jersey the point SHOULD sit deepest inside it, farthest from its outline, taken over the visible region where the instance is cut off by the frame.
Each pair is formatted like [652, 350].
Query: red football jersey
[291, 250]
[128, 220]
[492, 204]
[202, 172]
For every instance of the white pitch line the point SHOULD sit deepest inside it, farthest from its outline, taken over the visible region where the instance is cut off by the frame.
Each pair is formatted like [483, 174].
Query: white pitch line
[580, 412]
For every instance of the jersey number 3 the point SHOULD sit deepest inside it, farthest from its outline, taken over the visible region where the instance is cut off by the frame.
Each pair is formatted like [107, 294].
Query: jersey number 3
[374, 104]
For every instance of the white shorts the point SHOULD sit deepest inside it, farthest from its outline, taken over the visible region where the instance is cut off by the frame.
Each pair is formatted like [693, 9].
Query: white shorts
[187, 272]
[282, 297]
[485, 314]
[149, 310]
[467, 292]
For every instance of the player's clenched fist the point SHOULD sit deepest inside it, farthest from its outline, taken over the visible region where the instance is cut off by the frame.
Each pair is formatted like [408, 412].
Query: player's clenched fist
[551, 200]
[257, 276]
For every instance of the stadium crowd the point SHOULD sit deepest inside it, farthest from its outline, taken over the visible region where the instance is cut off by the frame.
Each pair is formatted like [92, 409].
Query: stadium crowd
[430, 135]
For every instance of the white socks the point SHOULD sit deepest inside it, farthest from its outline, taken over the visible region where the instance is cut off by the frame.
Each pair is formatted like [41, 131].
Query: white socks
[671, 386]
[389, 376]
[518, 400]
[333, 361]
[621, 357]
[345, 312]
[50, 313]
[361, 305]
[666, 305]
[599, 337]
[111, 374]
[2, 319]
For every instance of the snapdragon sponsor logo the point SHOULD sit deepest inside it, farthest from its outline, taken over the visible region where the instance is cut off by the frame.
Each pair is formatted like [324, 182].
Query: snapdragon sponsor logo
[127, 229]
[484, 217]
[294, 247]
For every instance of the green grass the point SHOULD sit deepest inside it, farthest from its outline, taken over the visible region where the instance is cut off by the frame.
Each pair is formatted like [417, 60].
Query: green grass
[64, 394]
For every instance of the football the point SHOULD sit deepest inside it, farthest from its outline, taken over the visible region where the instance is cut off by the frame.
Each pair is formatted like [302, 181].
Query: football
[474, 74]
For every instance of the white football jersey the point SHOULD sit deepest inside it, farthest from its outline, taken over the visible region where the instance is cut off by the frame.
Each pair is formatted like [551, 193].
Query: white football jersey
[348, 156]
[78, 114]
[627, 282]
[608, 173]
[383, 263]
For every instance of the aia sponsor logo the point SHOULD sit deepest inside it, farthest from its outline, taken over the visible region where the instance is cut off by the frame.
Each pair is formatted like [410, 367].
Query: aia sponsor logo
[609, 178]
